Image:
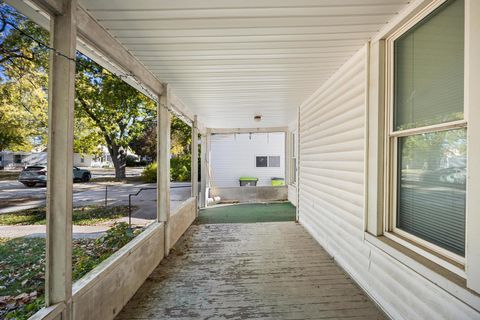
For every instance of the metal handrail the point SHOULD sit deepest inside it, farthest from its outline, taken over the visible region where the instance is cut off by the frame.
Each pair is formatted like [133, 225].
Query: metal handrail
[130, 203]
[136, 194]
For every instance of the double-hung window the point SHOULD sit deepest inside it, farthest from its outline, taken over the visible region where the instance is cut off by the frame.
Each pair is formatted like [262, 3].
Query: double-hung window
[427, 132]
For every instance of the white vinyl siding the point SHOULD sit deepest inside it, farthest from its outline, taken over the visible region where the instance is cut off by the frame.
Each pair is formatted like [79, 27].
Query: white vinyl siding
[331, 200]
[234, 156]
[292, 194]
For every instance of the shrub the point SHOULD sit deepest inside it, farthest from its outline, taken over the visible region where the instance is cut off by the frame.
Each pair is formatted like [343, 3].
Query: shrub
[149, 174]
[180, 168]
[131, 161]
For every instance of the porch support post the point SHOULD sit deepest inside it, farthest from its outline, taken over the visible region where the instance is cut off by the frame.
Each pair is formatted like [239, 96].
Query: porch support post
[194, 166]
[205, 184]
[288, 156]
[163, 163]
[203, 175]
[58, 280]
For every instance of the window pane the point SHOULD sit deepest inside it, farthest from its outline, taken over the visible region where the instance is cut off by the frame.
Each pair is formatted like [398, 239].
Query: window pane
[429, 70]
[261, 162]
[431, 187]
[274, 161]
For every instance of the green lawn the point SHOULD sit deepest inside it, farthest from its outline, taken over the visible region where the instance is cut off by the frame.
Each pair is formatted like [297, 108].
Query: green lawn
[84, 216]
[248, 213]
[6, 175]
[113, 179]
[22, 267]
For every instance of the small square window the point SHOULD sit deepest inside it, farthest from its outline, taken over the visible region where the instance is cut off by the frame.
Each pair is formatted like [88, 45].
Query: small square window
[17, 158]
[261, 162]
[274, 161]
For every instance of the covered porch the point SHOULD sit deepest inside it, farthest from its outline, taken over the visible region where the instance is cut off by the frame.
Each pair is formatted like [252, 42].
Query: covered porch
[317, 71]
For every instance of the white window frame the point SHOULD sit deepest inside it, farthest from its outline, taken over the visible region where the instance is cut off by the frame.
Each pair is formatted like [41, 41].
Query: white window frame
[451, 261]
[293, 157]
[375, 185]
[255, 161]
[268, 161]
[279, 162]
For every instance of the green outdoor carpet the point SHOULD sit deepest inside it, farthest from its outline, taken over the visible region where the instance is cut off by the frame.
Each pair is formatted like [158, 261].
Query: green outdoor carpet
[248, 213]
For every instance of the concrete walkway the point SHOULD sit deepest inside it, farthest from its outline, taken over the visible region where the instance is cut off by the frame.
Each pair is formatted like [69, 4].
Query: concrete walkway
[39, 231]
[79, 232]
[271, 270]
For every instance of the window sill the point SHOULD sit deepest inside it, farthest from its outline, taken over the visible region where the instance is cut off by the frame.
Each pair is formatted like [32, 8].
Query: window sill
[445, 259]
[442, 277]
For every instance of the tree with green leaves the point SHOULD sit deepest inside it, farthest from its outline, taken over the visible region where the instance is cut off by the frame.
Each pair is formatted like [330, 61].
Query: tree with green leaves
[145, 144]
[23, 116]
[23, 82]
[119, 111]
[108, 111]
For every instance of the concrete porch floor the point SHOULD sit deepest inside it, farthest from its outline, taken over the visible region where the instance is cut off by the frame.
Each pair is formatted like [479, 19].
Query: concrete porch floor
[273, 270]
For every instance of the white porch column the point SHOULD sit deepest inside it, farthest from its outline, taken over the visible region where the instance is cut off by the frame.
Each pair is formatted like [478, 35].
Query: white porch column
[205, 176]
[288, 157]
[194, 164]
[163, 163]
[58, 280]
[203, 168]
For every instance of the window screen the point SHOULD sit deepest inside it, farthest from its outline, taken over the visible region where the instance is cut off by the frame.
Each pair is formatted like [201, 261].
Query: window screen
[274, 161]
[261, 161]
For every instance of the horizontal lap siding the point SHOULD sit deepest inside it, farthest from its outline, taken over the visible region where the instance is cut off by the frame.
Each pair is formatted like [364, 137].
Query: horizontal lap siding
[332, 158]
[331, 200]
[233, 156]
[292, 194]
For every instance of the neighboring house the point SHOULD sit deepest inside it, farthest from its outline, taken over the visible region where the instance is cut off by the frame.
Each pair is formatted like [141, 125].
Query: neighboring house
[103, 159]
[83, 160]
[259, 155]
[35, 158]
[12, 159]
[17, 160]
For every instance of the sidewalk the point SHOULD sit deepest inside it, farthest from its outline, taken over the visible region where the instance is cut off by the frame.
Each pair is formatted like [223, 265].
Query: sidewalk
[79, 232]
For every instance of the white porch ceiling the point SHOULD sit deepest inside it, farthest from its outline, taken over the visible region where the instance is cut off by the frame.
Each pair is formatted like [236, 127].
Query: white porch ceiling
[229, 60]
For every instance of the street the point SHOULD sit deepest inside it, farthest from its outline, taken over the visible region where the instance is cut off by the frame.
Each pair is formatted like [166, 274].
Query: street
[14, 196]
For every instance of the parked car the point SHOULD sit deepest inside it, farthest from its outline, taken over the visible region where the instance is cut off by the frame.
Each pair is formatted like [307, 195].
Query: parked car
[450, 176]
[33, 175]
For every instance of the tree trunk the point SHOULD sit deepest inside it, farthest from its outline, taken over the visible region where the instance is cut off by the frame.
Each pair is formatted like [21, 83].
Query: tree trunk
[119, 159]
